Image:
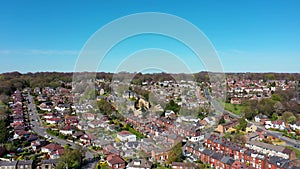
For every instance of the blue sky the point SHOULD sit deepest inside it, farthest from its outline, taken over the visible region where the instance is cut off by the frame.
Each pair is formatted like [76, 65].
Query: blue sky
[249, 36]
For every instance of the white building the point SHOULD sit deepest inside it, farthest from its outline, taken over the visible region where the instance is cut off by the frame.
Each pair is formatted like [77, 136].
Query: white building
[126, 136]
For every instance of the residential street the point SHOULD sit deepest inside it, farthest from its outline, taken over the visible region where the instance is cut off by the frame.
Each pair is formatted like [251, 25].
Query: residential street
[41, 130]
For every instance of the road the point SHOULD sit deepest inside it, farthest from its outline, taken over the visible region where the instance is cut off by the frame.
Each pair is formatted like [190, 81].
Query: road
[288, 141]
[39, 129]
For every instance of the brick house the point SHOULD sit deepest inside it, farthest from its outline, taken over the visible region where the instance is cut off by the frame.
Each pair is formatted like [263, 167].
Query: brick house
[115, 161]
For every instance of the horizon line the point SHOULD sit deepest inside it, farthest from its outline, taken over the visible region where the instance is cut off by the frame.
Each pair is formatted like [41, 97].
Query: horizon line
[226, 72]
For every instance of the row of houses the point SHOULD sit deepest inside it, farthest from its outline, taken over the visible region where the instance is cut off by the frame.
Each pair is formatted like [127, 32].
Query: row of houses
[155, 125]
[28, 164]
[222, 153]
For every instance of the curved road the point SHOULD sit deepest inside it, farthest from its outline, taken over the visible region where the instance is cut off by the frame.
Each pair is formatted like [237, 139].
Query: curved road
[39, 129]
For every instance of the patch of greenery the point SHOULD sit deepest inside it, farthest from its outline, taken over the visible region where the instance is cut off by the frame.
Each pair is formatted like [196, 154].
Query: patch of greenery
[175, 153]
[3, 130]
[234, 108]
[52, 132]
[296, 150]
[70, 159]
[172, 105]
[133, 131]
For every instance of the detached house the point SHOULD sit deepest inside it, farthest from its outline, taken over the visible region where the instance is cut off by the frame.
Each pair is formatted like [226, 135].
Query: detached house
[56, 154]
[126, 136]
[89, 116]
[49, 115]
[50, 148]
[115, 161]
[71, 120]
[54, 120]
[139, 164]
[251, 128]
[235, 101]
[260, 118]
[67, 130]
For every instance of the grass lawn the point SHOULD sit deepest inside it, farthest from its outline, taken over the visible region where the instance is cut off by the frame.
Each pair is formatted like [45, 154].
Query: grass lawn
[138, 134]
[297, 151]
[234, 108]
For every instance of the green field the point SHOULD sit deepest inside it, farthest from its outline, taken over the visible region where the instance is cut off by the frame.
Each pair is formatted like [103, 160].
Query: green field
[234, 108]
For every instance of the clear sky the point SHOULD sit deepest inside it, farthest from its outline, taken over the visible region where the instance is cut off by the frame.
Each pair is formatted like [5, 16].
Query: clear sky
[249, 36]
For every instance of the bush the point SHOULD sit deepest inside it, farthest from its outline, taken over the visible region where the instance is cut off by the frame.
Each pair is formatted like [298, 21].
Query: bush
[52, 132]
[61, 136]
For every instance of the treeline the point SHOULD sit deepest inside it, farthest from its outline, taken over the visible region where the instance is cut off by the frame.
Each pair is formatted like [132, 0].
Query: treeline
[204, 76]
[9, 82]
[265, 76]
[4, 112]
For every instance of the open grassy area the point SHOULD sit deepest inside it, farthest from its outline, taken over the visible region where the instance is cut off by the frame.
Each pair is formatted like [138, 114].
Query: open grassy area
[297, 151]
[234, 108]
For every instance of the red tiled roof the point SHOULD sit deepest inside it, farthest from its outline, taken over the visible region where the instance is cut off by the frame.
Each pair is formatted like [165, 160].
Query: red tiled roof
[68, 128]
[71, 118]
[53, 147]
[124, 133]
[114, 159]
[54, 119]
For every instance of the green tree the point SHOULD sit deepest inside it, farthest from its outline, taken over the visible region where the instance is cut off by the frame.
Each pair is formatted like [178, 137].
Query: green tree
[276, 97]
[291, 119]
[242, 124]
[222, 120]
[10, 147]
[274, 116]
[286, 115]
[172, 106]
[3, 130]
[70, 159]
[105, 107]
[175, 153]
[266, 106]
